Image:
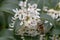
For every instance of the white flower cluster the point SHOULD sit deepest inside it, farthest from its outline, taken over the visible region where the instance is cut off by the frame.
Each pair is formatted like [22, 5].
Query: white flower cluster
[29, 17]
[54, 14]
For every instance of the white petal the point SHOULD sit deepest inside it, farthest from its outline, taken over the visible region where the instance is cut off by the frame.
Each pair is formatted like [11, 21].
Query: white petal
[24, 4]
[29, 4]
[46, 21]
[21, 3]
[22, 37]
[16, 15]
[37, 13]
[11, 26]
[38, 9]
[53, 16]
[29, 9]
[56, 16]
[34, 5]
[10, 29]
[15, 10]
[34, 23]
[38, 16]
[51, 10]
[58, 19]
[19, 17]
[13, 18]
[21, 23]
[51, 24]
[45, 8]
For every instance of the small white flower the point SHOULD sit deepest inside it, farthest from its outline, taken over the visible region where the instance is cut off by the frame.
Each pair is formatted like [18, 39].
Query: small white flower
[27, 23]
[30, 9]
[34, 23]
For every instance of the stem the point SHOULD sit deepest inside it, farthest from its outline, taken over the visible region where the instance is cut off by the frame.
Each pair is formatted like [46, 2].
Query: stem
[46, 38]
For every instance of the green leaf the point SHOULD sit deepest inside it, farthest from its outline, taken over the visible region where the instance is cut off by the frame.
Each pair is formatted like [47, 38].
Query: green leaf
[7, 38]
[2, 21]
[49, 19]
[8, 5]
[55, 31]
[6, 35]
[51, 3]
[44, 16]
